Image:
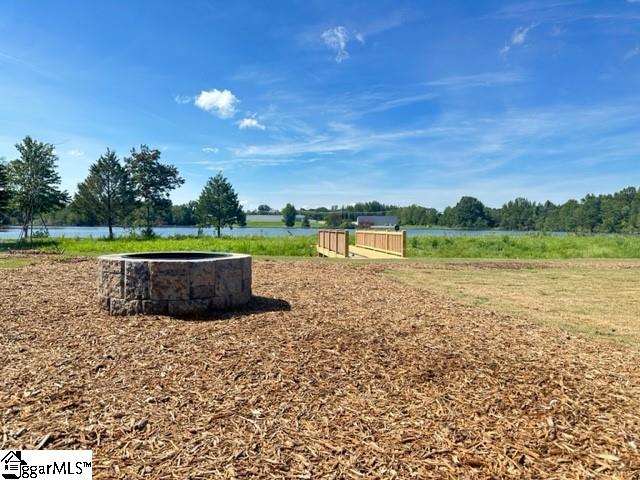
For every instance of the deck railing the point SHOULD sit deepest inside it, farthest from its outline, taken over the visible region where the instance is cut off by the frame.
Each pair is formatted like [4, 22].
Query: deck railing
[394, 243]
[333, 243]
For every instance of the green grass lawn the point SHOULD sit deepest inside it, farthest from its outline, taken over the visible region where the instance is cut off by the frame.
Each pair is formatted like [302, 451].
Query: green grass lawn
[289, 246]
[279, 224]
[527, 246]
[490, 246]
[590, 297]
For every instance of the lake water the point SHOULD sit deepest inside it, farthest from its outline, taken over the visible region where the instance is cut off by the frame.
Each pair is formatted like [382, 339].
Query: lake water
[97, 232]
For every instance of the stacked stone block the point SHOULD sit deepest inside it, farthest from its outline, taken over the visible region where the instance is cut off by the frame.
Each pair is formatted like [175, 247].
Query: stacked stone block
[128, 285]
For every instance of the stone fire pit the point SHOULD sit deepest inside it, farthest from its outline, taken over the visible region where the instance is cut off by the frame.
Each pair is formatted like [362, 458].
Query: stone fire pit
[173, 283]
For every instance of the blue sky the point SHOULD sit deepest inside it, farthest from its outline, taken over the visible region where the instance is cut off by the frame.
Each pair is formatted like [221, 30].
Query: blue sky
[326, 103]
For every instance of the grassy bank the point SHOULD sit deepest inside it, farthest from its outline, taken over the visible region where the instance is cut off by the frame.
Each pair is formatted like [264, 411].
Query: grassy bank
[289, 246]
[279, 224]
[489, 246]
[528, 246]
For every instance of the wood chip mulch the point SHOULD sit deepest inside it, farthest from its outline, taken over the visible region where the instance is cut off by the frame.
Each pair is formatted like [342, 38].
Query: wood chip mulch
[333, 371]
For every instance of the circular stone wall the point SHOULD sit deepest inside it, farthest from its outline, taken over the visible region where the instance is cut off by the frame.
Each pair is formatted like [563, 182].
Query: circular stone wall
[173, 283]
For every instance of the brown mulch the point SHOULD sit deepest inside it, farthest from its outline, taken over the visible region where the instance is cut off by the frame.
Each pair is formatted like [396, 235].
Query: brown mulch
[334, 371]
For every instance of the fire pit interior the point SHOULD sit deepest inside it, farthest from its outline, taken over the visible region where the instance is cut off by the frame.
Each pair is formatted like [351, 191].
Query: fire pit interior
[173, 283]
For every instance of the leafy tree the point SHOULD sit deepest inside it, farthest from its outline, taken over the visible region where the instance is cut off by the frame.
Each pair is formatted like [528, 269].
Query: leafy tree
[242, 218]
[305, 222]
[184, 214]
[518, 214]
[289, 215]
[4, 190]
[333, 220]
[152, 183]
[106, 193]
[470, 212]
[218, 204]
[34, 181]
[264, 209]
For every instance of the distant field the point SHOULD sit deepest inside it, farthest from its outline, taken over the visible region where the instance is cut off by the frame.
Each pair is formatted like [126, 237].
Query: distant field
[596, 298]
[526, 246]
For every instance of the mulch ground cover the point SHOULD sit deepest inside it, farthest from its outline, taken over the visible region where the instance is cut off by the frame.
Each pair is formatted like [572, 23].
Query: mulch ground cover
[332, 371]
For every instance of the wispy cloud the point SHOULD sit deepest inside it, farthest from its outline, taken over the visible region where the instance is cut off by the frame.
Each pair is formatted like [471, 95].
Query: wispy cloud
[250, 122]
[75, 153]
[210, 149]
[221, 102]
[486, 79]
[518, 37]
[336, 39]
[182, 99]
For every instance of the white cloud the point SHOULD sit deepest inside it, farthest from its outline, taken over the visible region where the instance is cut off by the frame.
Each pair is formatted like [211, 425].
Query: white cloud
[336, 39]
[250, 122]
[75, 153]
[210, 149]
[518, 37]
[487, 79]
[360, 38]
[221, 102]
[634, 52]
[182, 99]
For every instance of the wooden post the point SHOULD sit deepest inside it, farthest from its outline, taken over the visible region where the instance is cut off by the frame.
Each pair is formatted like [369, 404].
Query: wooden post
[404, 243]
[346, 243]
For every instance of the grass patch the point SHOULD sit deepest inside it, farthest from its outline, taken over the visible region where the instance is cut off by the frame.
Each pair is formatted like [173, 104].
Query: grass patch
[294, 246]
[7, 262]
[279, 224]
[597, 299]
[524, 247]
[427, 246]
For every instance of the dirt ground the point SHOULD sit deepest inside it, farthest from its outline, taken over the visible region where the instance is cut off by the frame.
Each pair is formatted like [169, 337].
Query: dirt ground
[333, 371]
[596, 298]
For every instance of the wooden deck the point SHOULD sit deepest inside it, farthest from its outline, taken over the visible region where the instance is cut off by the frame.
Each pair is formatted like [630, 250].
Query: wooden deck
[362, 253]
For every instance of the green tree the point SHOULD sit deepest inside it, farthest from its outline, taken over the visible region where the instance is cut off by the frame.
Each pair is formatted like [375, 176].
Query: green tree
[106, 193]
[152, 183]
[218, 204]
[264, 209]
[289, 215]
[333, 220]
[305, 222]
[184, 214]
[4, 190]
[34, 181]
[469, 212]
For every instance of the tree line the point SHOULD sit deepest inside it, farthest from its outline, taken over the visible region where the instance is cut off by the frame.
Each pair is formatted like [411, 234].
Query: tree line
[618, 212]
[135, 192]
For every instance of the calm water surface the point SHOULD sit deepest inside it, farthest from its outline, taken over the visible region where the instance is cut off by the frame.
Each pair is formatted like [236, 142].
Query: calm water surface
[97, 232]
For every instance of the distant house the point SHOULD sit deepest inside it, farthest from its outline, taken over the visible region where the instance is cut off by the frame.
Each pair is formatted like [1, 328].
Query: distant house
[374, 221]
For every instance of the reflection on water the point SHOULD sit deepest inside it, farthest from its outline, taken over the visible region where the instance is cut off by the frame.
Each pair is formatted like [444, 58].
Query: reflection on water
[97, 232]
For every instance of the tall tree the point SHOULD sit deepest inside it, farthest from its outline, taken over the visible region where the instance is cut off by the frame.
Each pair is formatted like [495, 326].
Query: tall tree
[106, 193]
[152, 183]
[184, 214]
[289, 215]
[470, 212]
[34, 181]
[218, 205]
[4, 189]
